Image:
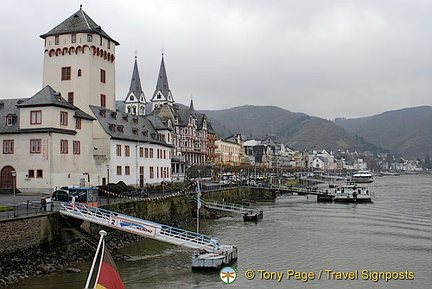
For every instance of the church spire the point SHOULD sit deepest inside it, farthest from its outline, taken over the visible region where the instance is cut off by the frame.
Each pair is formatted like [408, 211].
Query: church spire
[162, 94]
[191, 107]
[135, 101]
[135, 85]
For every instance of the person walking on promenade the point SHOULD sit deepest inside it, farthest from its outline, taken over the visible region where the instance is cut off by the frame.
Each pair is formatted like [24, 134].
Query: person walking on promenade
[43, 204]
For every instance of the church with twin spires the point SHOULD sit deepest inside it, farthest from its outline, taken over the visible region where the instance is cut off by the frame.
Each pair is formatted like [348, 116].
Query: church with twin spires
[71, 133]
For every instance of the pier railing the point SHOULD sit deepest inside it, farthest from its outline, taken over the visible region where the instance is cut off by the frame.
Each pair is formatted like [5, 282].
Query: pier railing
[222, 206]
[140, 227]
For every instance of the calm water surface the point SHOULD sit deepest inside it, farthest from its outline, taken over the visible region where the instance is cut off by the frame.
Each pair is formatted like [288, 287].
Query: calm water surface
[393, 234]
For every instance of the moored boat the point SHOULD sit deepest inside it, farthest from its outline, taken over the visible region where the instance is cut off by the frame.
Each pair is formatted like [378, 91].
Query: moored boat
[353, 194]
[251, 216]
[202, 260]
[363, 177]
[325, 197]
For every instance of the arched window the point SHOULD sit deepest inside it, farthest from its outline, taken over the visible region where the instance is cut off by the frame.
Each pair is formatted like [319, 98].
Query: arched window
[79, 72]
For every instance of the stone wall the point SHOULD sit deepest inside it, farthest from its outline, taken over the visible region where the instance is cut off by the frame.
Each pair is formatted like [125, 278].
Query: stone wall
[181, 209]
[242, 195]
[25, 232]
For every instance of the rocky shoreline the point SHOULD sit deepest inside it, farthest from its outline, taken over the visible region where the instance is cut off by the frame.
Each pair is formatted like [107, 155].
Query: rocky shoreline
[49, 258]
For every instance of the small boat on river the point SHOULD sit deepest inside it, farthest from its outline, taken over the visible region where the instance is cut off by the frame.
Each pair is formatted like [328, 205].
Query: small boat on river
[363, 177]
[325, 197]
[202, 260]
[251, 216]
[353, 194]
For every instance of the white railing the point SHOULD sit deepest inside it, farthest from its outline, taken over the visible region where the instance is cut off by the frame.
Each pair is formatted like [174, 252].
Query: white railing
[222, 206]
[140, 227]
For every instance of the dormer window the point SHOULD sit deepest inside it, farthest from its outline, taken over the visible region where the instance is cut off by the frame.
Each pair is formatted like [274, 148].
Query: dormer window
[114, 115]
[145, 132]
[112, 127]
[135, 131]
[120, 128]
[126, 117]
[10, 119]
[135, 119]
[102, 112]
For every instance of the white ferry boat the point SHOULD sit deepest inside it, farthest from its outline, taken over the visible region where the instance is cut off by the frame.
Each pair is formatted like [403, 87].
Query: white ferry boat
[363, 177]
[353, 194]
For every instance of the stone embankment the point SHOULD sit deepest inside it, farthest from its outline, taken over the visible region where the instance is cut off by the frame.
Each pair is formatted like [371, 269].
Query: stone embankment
[43, 244]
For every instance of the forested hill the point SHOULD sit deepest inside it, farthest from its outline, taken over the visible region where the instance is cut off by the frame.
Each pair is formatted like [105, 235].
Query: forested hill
[407, 131]
[298, 130]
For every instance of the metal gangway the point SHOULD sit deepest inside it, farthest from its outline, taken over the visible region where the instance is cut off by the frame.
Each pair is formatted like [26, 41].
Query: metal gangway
[227, 207]
[141, 227]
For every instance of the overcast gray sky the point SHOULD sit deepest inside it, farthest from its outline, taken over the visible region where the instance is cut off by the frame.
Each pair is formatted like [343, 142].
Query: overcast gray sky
[329, 58]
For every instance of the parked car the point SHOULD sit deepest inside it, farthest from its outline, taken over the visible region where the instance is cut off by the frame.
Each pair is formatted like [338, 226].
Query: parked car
[60, 195]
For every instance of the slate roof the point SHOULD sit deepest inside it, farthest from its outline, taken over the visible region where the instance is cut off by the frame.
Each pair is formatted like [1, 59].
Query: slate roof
[158, 122]
[210, 128]
[47, 96]
[135, 85]
[162, 82]
[121, 125]
[183, 116]
[120, 105]
[200, 120]
[79, 22]
[9, 107]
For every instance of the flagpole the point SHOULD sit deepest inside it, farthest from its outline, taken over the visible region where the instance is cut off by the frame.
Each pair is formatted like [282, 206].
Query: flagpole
[100, 263]
[102, 233]
[198, 205]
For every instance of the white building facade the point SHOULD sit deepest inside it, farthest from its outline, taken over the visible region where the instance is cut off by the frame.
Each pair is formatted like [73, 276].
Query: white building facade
[69, 133]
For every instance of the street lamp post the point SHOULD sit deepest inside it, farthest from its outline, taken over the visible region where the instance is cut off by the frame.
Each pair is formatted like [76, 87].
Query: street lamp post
[108, 180]
[14, 193]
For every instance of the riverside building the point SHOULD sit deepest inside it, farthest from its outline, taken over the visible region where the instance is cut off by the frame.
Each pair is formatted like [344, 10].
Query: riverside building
[69, 133]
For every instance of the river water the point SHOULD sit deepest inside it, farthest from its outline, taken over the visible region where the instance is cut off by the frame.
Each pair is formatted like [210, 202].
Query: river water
[392, 234]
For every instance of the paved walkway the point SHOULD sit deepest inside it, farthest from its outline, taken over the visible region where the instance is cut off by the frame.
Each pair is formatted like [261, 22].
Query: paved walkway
[31, 204]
